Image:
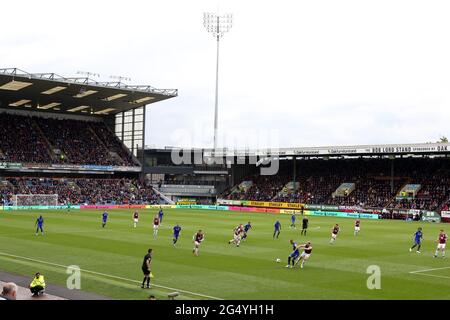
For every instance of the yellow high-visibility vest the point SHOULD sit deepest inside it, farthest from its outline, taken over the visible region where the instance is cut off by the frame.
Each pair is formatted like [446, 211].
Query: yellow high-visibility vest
[38, 282]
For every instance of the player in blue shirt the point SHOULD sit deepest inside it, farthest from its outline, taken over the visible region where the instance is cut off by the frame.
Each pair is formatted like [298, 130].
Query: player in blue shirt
[247, 228]
[294, 254]
[104, 218]
[277, 229]
[293, 218]
[176, 234]
[40, 225]
[418, 236]
[160, 215]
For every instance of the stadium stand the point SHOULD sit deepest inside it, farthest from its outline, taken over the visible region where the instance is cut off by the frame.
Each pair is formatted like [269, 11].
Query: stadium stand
[45, 140]
[80, 190]
[374, 186]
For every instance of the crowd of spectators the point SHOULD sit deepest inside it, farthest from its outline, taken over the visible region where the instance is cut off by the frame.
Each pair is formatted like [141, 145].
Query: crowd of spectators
[112, 143]
[80, 190]
[55, 141]
[20, 141]
[317, 180]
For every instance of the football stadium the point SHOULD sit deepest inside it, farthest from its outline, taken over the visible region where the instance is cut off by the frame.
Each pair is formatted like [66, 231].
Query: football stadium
[91, 210]
[72, 149]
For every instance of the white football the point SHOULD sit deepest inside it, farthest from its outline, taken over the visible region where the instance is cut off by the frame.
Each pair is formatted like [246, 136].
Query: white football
[278, 260]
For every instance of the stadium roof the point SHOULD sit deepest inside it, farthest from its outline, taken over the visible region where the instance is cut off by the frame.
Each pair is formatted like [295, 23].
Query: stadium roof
[79, 95]
[358, 150]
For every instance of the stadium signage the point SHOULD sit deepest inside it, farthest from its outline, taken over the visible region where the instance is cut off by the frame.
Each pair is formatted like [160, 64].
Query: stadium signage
[10, 165]
[68, 167]
[431, 216]
[445, 214]
[324, 151]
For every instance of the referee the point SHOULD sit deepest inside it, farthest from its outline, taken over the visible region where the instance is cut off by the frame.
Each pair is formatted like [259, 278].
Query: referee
[146, 268]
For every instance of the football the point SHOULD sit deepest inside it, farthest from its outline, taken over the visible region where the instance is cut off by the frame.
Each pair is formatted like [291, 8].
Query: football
[278, 260]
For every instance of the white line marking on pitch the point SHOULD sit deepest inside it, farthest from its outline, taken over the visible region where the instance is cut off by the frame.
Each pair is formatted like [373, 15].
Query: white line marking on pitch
[431, 275]
[418, 271]
[110, 276]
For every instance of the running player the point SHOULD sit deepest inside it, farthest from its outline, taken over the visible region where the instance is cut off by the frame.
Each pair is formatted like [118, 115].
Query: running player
[307, 249]
[357, 226]
[277, 229]
[104, 218]
[293, 218]
[334, 233]
[247, 228]
[146, 268]
[160, 215]
[40, 225]
[441, 244]
[237, 235]
[294, 254]
[176, 234]
[135, 218]
[304, 225]
[155, 226]
[198, 238]
[418, 236]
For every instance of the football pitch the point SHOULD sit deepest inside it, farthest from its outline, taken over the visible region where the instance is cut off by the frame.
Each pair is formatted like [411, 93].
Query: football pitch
[110, 259]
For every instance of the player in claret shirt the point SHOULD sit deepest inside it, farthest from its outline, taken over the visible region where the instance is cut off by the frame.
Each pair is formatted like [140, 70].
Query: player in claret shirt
[357, 226]
[237, 235]
[307, 249]
[442, 239]
[155, 226]
[135, 218]
[418, 236]
[198, 238]
[334, 233]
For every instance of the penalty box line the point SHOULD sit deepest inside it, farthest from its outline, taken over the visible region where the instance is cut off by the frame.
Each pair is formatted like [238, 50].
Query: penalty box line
[109, 276]
[423, 273]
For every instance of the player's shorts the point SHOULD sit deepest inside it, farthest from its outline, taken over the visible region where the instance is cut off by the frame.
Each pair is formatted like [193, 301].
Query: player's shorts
[304, 226]
[305, 255]
[136, 220]
[237, 237]
[294, 255]
[176, 235]
[156, 226]
[417, 242]
[333, 235]
[357, 228]
[197, 243]
[146, 271]
[441, 246]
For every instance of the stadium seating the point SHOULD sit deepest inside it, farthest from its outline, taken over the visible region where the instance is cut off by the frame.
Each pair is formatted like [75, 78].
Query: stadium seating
[80, 191]
[55, 141]
[319, 179]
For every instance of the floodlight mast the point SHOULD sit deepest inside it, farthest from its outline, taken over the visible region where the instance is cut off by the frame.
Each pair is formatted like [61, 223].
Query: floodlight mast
[217, 25]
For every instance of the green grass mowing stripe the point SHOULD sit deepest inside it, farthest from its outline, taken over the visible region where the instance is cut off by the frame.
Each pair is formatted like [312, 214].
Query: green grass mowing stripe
[109, 276]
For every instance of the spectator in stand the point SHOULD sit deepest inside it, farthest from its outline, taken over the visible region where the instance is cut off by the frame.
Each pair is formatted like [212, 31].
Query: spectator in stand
[9, 291]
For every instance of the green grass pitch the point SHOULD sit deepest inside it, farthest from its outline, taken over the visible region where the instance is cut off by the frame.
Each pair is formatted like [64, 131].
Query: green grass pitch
[112, 257]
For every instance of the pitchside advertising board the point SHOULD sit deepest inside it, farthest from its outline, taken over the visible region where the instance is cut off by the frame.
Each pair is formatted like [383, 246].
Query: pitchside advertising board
[431, 216]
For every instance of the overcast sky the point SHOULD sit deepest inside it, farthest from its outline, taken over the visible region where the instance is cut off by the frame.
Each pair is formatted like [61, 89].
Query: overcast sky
[292, 73]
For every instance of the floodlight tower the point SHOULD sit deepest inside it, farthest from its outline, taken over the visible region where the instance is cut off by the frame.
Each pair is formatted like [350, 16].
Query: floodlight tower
[217, 25]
